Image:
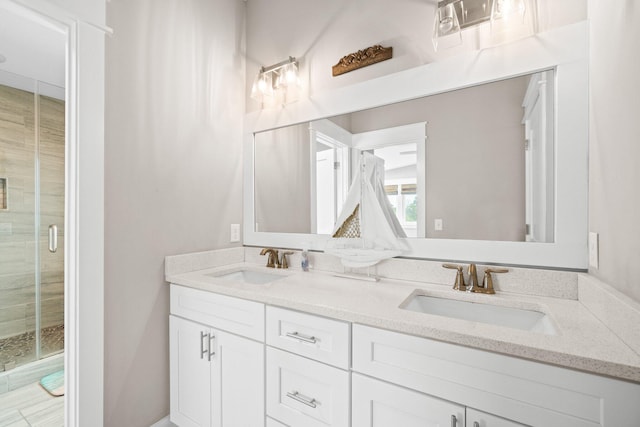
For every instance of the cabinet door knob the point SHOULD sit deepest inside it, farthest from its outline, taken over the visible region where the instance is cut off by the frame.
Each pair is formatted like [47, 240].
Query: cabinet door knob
[454, 421]
[476, 424]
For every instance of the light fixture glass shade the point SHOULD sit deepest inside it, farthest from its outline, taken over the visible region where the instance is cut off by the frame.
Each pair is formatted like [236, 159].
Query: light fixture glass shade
[507, 9]
[277, 84]
[511, 19]
[290, 74]
[262, 86]
[446, 26]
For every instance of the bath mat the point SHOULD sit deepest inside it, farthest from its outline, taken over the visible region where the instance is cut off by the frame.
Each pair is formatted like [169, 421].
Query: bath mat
[54, 383]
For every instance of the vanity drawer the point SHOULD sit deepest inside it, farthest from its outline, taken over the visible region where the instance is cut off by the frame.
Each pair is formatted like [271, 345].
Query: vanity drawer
[304, 393]
[230, 314]
[318, 338]
[526, 392]
[273, 423]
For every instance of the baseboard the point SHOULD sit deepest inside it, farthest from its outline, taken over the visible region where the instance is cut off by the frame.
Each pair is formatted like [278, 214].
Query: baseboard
[163, 423]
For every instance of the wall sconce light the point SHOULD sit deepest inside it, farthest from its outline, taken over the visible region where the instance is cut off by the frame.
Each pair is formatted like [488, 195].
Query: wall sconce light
[278, 82]
[447, 24]
[505, 9]
[453, 16]
[508, 15]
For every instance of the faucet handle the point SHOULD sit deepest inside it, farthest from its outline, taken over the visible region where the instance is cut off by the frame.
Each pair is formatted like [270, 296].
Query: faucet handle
[284, 263]
[459, 284]
[487, 282]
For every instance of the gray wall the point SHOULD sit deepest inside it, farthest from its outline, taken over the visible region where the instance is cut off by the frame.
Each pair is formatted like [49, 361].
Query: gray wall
[614, 151]
[283, 180]
[173, 184]
[475, 171]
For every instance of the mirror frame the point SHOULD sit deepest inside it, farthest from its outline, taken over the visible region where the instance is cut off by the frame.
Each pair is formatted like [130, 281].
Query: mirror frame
[564, 49]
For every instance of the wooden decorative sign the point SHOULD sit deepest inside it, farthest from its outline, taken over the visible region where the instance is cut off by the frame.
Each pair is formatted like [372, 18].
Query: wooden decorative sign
[362, 58]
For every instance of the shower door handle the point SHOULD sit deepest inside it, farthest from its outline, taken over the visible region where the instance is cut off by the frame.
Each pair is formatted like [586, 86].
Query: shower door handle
[53, 238]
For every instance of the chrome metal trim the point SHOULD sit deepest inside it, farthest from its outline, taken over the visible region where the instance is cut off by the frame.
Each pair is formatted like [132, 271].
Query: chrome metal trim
[302, 398]
[303, 338]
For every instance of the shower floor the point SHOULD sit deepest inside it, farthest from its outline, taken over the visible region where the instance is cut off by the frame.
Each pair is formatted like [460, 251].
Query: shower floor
[21, 349]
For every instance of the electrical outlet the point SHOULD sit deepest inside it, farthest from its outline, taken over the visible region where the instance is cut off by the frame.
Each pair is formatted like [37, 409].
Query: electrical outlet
[437, 224]
[593, 249]
[235, 233]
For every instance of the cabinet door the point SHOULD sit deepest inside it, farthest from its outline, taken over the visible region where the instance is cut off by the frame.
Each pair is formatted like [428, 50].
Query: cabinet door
[237, 381]
[190, 373]
[379, 404]
[477, 418]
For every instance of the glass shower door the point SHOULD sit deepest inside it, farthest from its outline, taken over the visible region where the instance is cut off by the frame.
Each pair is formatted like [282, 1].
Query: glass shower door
[51, 155]
[17, 227]
[31, 198]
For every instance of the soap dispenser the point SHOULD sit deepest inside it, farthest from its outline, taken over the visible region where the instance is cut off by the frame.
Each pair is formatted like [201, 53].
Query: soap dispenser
[304, 260]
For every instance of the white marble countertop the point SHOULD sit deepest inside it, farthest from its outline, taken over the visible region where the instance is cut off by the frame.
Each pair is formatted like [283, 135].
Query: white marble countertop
[582, 342]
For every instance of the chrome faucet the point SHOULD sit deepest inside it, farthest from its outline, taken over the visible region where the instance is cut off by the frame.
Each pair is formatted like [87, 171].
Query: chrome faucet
[272, 260]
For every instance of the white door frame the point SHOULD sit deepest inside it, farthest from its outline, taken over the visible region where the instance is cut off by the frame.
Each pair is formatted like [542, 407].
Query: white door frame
[84, 198]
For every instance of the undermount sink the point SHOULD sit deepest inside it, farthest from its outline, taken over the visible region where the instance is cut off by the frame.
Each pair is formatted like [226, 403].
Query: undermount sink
[251, 277]
[511, 317]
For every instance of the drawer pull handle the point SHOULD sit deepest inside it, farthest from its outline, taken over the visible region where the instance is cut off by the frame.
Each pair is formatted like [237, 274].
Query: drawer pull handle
[454, 421]
[303, 338]
[301, 398]
[476, 424]
[210, 353]
[203, 351]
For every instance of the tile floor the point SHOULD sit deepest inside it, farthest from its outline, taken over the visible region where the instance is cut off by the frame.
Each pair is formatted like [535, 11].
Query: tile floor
[31, 406]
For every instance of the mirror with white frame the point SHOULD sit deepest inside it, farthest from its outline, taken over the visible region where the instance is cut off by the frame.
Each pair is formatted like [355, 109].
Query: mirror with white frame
[478, 159]
[521, 208]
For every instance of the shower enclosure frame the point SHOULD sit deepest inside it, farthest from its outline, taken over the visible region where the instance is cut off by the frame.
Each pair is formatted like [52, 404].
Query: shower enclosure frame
[82, 23]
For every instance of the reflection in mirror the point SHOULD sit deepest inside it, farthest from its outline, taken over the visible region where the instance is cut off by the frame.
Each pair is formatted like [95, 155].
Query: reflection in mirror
[475, 163]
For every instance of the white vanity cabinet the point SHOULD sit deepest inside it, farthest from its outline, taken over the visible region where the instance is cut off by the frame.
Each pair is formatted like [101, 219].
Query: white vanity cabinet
[377, 403]
[308, 385]
[217, 376]
[239, 363]
[508, 391]
[477, 418]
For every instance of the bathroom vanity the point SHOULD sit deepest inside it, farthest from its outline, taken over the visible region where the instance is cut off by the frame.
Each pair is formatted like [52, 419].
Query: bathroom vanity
[252, 346]
[255, 346]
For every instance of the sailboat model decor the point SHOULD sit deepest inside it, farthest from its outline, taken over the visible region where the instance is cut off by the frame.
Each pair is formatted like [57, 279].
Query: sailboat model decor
[367, 230]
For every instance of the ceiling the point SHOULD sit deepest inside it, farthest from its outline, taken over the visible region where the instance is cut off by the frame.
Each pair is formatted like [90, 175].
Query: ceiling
[31, 51]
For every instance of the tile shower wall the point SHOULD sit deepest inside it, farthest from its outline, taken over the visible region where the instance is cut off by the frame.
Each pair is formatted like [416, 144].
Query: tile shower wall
[17, 241]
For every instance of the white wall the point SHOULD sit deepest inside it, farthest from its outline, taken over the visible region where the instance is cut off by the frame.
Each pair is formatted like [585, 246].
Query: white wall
[614, 151]
[319, 33]
[174, 108]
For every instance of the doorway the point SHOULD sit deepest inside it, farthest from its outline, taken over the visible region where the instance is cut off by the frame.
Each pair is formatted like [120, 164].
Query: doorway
[32, 219]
